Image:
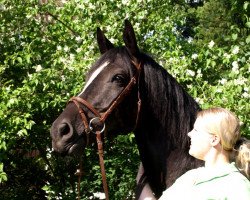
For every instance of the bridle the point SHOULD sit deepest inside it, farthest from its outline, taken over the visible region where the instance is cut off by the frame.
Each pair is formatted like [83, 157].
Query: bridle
[100, 120]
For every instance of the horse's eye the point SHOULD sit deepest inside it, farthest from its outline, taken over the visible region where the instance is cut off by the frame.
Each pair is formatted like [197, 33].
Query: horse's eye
[119, 79]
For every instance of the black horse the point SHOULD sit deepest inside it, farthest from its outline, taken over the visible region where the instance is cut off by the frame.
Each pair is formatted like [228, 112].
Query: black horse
[154, 106]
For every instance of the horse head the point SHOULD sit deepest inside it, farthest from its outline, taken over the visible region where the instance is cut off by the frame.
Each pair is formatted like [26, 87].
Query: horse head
[109, 97]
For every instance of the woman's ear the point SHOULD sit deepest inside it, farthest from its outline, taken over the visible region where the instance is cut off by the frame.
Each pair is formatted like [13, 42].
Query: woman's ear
[215, 140]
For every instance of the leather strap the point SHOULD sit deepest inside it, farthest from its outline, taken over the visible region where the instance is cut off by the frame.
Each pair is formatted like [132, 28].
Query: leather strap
[78, 100]
[101, 160]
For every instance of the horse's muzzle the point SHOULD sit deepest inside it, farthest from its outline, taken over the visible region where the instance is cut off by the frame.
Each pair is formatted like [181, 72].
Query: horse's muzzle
[64, 140]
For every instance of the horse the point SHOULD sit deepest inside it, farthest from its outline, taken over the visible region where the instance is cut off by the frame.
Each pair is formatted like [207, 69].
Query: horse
[127, 91]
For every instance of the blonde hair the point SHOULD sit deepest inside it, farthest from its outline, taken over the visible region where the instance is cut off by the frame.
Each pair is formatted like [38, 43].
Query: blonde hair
[226, 125]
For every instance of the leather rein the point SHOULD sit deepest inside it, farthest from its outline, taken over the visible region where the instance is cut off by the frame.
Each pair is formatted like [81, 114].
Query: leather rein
[99, 119]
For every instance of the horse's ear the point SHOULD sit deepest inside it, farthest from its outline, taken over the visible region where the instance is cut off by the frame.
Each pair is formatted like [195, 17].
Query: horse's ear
[103, 43]
[130, 40]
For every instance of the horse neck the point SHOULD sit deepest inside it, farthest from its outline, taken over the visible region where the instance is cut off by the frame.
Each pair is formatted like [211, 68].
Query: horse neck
[167, 115]
[167, 108]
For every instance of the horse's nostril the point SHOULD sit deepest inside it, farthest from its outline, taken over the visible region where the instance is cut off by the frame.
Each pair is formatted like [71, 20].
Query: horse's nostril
[63, 129]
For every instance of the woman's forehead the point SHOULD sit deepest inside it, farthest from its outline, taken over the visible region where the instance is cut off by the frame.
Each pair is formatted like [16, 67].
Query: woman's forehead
[202, 122]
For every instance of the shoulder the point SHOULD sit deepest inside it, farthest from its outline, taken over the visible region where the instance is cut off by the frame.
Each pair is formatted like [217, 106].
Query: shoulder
[189, 178]
[238, 186]
[239, 179]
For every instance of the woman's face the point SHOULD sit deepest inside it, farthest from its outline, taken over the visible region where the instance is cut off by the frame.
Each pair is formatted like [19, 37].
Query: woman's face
[200, 140]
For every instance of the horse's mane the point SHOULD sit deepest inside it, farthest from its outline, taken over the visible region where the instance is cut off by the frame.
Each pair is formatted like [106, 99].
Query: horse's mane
[169, 116]
[173, 106]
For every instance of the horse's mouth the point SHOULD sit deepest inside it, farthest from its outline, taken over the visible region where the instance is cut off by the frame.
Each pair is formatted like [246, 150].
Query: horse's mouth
[73, 148]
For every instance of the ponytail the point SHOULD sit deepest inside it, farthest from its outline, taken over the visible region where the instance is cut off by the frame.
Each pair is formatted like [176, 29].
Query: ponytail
[242, 158]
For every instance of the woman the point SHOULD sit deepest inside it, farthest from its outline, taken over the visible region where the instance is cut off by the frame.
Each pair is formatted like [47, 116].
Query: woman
[214, 139]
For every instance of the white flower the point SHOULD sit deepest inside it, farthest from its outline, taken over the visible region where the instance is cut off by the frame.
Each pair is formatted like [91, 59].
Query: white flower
[174, 29]
[66, 48]
[11, 101]
[125, 2]
[190, 40]
[226, 55]
[112, 40]
[190, 72]
[2, 7]
[219, 90]
[78, 50]
[71, 56]
[246, 89]
[91, 6]
[99, 195]
[194, 56]
[63, 60]
[240, 81]
[235, 50]
[108, 28]
[211, 44]
[199, 100]
[78, 39]
[30, 76]
[223, 81]
[245, 95]
[12, 39]
[81, 6]
[38, 68]
[28, 16]
[59, 48]
[199, 74]
[49, 18]
[235, 67]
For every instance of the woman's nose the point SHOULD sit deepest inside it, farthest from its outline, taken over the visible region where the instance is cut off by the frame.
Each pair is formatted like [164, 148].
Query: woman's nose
[190, 133]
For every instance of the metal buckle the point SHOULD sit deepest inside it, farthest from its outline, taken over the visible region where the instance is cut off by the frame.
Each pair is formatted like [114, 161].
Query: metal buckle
[92, 128]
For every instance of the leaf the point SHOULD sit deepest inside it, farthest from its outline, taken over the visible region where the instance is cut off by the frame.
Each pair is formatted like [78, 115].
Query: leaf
[27, 57]
[248, 39]
[245, 5]
[234, 36]
[248, 24]
[20, 60]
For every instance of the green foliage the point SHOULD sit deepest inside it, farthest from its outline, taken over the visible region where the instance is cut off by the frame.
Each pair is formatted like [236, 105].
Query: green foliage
[3, 175]
[219, 19]
[45, 52]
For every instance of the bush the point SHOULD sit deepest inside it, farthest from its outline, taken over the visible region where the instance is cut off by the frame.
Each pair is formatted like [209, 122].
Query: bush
[46, 49]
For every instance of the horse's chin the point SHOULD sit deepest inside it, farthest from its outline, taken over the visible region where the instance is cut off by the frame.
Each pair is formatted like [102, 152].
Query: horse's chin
[75, 150]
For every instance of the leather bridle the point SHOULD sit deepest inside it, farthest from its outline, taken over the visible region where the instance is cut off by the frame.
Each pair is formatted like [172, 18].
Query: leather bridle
[101, 117]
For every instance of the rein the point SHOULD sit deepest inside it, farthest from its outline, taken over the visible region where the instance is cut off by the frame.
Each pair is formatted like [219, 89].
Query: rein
[97, 124]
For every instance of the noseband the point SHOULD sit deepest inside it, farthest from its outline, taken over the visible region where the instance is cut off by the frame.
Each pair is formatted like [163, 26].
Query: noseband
[100, 118]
